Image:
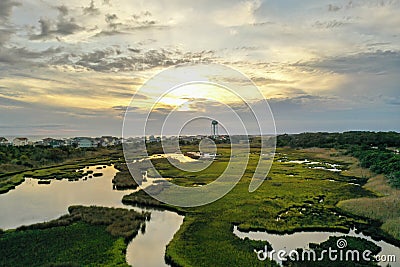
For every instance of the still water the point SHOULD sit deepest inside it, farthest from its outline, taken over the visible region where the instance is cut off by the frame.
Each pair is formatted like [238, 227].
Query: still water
[32, 203]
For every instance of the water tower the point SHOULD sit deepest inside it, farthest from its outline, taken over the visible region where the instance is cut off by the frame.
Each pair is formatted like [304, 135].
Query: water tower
[214, 128]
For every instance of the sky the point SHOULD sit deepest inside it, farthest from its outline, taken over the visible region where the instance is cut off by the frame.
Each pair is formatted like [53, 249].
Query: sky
[71, 67]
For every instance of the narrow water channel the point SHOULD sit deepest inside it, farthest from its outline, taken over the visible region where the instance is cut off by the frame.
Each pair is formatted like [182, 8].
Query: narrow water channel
[32, 203]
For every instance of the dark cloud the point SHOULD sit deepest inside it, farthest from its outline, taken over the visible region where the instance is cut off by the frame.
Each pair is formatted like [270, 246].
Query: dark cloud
[63, 26]
[91, 9]
[113, 59]
[111, 20]
[296, 101]
[374, 63]
[120, 28]
[333, 8]
[67, 27]
[13, 55]
[6, 7]
[378, 44]
[6, 30]
[143, 19]
[330, 24]
[134, 50]
[63, 10]
[5, 35]
[44, 27]
[247, 48]
[163, 110]
[299, 109]
[105, 33]
[120, 108]
[96, 57]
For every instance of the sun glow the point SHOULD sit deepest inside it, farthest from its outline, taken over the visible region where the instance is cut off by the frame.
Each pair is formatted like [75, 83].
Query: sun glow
[182, 96]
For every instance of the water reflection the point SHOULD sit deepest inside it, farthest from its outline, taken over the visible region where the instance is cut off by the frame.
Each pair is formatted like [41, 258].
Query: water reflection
[31, 203]
[148, 250]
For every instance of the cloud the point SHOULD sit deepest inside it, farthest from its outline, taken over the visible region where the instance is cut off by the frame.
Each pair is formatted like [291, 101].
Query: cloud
[294, 51]
[5, 36]
[12, 55]
[241, 13]
[301, 101]
[63, 26]
[122, 108]
[28, 126]
[6, 30]
[63, 10]
[91, 9]
[6, 7]
[268, 81]
[134, 50]
[333, 8]
[111, 20]
[330, 24]
[127, 94]
[9, 102]
[377, 62]
[67, 27]
[112, 59]
[143, 19]
[392, 100]
[140, 21]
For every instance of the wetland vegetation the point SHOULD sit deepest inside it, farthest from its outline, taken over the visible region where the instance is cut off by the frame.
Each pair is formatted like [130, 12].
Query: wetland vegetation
[16, 163]
[90, 236]
[299, 194]
[294, 197]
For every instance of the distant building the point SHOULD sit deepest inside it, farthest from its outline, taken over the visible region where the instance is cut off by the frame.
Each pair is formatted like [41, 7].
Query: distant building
[47, 141]
[153, 139]
[85, 142]
[4, 141]
[51, 142]
[188, 139]
[57, 143]
[20, 141]
[70, 142]
[109, 141]
[38, 143]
